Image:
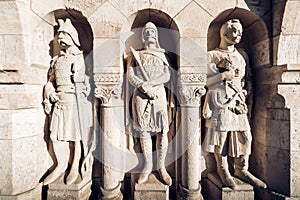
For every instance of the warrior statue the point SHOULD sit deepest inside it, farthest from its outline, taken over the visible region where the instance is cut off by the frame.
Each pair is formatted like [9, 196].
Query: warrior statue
[67, 88]
[225, 109]
[148, 71]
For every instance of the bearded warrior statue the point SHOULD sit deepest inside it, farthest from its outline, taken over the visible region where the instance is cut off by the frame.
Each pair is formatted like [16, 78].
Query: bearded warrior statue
[148, 71]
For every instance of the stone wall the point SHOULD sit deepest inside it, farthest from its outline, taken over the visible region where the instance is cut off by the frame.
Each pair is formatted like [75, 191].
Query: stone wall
[271, 41]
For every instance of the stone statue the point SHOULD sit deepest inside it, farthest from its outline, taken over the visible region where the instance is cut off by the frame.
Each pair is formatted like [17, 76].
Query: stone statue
[67, 88]
[225, 109]
[147, 72]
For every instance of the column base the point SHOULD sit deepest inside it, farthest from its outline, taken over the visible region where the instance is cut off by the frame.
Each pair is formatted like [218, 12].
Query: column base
[153, 189]
[112, 194]
[188, 194]
[215, 190]
[78, 190]
[29, 195]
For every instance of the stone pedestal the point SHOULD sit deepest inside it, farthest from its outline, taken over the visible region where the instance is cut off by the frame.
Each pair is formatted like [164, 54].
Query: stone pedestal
[152, 189]
[60, 191]
[215, 190]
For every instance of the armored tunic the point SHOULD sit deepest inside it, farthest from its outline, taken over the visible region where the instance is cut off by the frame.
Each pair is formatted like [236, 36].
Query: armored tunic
[66, 79]
[149, 114]
[225, 109]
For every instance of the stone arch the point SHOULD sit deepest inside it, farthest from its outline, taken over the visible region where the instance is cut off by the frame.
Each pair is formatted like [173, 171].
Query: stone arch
[167, 30]
[168, 35]
[256, 43]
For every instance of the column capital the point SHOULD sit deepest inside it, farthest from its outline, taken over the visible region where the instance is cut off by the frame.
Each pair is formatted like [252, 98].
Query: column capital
[191, 88]
[108, 87]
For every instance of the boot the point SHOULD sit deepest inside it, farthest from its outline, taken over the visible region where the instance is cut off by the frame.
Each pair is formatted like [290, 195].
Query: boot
[61, 151]
[74, 171]
[162, 148]
[223, 171]
[146, 146]
[241, 171]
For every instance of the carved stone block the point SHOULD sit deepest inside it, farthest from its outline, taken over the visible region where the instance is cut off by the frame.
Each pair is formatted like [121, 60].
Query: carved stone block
[31, 194]
[152, 189]
[58, 190]
[216, 191]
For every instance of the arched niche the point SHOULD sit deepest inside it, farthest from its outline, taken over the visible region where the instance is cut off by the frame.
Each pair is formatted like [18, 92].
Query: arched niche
[50, 48]
[168, 36]
[255, 42]
[168, 32]
[46, 29]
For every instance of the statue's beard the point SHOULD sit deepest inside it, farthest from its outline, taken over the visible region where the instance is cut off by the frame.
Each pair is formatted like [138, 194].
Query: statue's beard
[150, 40]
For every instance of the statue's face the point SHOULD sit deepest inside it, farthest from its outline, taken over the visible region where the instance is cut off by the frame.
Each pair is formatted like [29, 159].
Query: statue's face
[64, 39]
[234, 33]
[149, 35]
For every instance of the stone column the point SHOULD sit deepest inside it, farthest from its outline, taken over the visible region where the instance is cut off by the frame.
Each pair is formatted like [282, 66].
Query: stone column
[190, 93]
[111, 135]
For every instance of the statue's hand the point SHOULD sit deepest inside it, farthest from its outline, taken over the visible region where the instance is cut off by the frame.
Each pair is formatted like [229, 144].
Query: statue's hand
[228, 75]
[225, 64]
[147, 88]
[53, 97]
[151, 95]
[47, 106]
[244, 92]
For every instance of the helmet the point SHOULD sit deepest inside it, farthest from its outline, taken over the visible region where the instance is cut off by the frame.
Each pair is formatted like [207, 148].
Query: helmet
[150, 25]
[67, 27]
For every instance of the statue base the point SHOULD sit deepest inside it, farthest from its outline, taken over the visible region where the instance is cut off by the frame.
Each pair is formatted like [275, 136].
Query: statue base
[216, 191]
[151, 190]
[58, 190]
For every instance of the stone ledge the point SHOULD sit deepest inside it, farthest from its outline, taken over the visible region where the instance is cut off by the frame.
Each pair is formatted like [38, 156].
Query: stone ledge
[152, 189]
[216, 191]
[80, 190]
[28, 195]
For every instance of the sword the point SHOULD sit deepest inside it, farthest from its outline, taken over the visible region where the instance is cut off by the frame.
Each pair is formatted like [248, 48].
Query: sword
[138, 60]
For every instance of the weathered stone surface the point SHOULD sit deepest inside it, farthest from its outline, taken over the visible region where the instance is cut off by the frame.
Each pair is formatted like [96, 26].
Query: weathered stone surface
[42, 35]
[216, 191]
[171, 7]
[79, 190]
[188, 26]
[295, 171]
[85, 6]
[286, 51]
[261, 55]
[192, 51]
[38, 6]
[21, 123]
[291, 93]
[131, 6]
[275, 163]
[2, 51]
[107, 52]
[23, 162]
[16, 49]
[23, 74]
[11, 15]
[107, 21]
[215, 7]
[152, 189]
[29, 195]
[291, 21]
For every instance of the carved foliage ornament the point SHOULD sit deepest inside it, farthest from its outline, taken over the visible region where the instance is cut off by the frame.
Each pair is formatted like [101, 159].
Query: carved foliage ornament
[190, 95]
